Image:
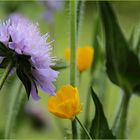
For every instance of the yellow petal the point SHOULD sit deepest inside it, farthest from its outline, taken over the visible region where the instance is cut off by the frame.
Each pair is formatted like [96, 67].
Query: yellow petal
[84, 58]
[66, 104]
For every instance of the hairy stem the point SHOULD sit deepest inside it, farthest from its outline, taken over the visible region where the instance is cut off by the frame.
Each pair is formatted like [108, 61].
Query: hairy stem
[85, 130]
[73, 43]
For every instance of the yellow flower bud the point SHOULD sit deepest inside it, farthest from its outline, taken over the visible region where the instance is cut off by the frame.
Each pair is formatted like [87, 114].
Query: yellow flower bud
[66, 104]
[84, 57]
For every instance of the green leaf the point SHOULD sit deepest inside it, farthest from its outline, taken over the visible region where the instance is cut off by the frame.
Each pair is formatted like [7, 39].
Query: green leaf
[60, 64]
[95, 43]
[99, 127]
[23, 69]
[131, 39]
[122, 63]
[3, 50]
[14, 104]
[25, 80]
[4, 63]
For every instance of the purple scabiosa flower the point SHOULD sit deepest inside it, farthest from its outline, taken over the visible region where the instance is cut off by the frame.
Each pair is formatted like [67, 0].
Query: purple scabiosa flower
[30, 53]
[52, 6]
[48, 16]
[55, 5]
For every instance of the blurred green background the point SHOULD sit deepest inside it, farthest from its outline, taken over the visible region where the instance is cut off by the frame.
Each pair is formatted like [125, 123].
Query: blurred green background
[129, 16]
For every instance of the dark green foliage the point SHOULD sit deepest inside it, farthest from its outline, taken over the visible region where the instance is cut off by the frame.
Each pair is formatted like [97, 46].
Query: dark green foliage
[122, 64]
[1, 134]
[23, 69]
[25, 80]
[99, 126]
[4, 51]
[4, 63]
[22, 64]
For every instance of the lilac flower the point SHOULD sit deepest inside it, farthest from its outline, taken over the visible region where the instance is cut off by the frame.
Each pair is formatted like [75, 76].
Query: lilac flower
[31, 54]
[48, 16]
[52, 6]
[55, 5]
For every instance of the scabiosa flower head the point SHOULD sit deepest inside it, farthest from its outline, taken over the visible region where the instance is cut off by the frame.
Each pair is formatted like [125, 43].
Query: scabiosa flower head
[31, 54]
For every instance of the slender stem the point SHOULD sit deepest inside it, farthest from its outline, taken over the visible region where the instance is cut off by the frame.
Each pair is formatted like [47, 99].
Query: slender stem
[13, 109]
[73, 44]
[5, 74]
[87, 111]
[85, 130]
[120, 128]
[80, 14]
[74, 129]
[87, 106]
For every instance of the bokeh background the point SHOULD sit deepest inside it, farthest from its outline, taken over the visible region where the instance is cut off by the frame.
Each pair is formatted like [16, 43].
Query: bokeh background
[33, 119]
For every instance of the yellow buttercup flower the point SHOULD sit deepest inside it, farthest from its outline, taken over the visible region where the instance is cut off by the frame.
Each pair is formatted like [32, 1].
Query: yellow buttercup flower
[84, 57]
[66, 104]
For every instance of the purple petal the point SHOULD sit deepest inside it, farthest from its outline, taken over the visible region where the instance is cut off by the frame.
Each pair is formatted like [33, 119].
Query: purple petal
[33, 92]
[12, 45]
[45, 79]
[55, 5]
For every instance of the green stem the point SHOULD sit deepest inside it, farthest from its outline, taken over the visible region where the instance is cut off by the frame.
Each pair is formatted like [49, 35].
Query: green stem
[73, 44]
[87, 106]
[120, 124]
[13, 109]
[74, 129]
[85, 130]
[80, 14]
[5, 74]
[87, 110]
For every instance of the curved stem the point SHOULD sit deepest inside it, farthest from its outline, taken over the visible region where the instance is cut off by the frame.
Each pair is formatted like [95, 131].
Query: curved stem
[73, 44]
[13, 109]
[85, 130]
[5, 74]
